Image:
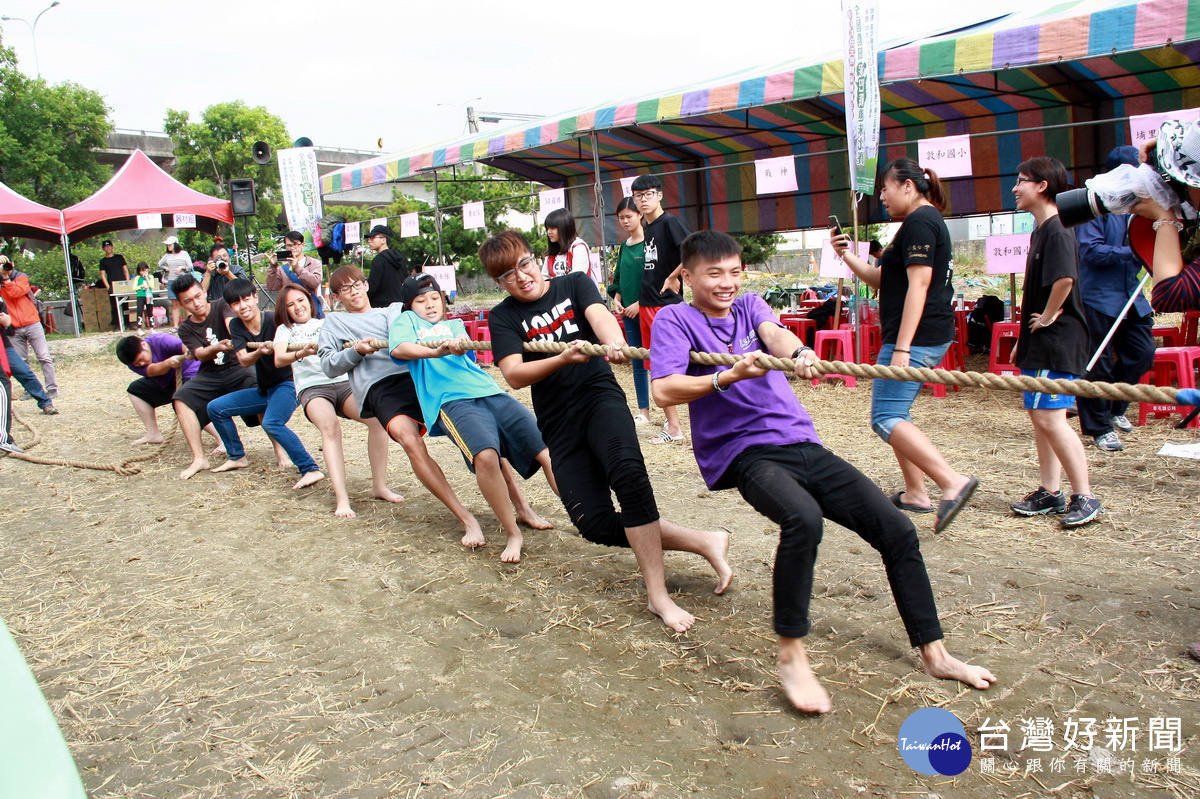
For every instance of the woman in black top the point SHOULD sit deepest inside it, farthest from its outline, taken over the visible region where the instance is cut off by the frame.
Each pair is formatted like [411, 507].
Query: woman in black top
[917, 322]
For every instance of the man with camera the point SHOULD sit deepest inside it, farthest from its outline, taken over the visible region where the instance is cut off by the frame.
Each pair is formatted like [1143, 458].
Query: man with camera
[27, 330]
[219, 271]
[291, 266]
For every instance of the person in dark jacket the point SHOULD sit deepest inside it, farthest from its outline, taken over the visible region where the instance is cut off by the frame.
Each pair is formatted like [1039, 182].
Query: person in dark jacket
[389, 269]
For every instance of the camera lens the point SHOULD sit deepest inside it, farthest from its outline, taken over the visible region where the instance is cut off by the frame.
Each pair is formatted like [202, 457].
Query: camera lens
[1078, 206]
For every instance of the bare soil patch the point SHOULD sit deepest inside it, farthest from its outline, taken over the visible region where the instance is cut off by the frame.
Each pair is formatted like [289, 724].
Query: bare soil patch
[228, 637]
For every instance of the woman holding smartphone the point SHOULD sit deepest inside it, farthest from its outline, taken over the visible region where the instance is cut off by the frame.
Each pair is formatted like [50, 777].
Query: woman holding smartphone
[917, 321]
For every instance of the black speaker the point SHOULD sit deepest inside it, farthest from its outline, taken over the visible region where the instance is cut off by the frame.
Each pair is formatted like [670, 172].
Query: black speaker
[241, 195]
[261, 153]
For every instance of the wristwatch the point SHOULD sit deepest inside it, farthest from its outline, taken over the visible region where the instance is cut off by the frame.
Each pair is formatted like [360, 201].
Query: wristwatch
[716, 385]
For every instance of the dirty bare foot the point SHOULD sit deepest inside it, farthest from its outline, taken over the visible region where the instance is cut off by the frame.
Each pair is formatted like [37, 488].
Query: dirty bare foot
[796, 676]
[344, 511]
[198, 465]
[530, 519]
[718, 558]
[672, 615]
[386, 494]
[149, 438]
[217, 451]
[230, 465]
[941, 664]
[308, 478]
[472, 534]
[512, 549]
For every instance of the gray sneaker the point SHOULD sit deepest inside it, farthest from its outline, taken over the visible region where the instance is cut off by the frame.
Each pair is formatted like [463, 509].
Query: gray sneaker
[1041, 501]
[1109, 442]
[10, 446]
[1083, 510]
[1122, 424]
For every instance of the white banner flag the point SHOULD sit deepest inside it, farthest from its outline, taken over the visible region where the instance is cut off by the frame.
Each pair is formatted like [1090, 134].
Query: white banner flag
[352, 232]
[410, 225]
[149, 221]
[184, 220]
[473, 218]
[550, 200]
[298, 180]
[860, 21]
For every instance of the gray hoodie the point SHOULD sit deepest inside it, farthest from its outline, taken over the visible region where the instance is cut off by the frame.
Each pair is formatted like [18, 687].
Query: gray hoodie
[364, 370]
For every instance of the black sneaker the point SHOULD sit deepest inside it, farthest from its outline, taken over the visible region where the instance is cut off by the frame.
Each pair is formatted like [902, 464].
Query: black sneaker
[1084, 509]
[1041, 501]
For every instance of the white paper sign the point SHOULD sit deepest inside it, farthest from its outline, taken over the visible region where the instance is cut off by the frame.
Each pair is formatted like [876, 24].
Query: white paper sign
[149, 221]
[410, 225]
[832, 265]
[948, 156]
[299, 182]
[627, 186]
[444, 275]
[1144, 127]
[353, 230]
[1006, 255]
[185, 220]
[550, 200]
[473, 218]
[380, 221]
[774, 175]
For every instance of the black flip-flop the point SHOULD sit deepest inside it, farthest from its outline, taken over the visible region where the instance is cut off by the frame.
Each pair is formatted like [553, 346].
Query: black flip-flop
[902, 505]
[949, 508]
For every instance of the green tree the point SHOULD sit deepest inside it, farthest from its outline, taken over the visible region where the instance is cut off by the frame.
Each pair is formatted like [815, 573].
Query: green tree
[758, 248]
[47, 135]
[217, 148]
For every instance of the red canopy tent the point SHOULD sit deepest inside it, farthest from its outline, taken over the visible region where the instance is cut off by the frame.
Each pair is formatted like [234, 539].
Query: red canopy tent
[26, 219]
[141, 187]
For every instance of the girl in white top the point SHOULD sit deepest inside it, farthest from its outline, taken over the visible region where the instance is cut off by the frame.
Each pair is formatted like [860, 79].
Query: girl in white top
[566, 252]
[326, 398]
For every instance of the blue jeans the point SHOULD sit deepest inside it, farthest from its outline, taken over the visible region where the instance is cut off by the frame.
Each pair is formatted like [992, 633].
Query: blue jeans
[891, 400]
[25, 376]
[641, 380]
[277, 408]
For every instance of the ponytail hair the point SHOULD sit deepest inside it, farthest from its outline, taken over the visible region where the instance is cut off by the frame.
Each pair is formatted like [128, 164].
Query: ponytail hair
[925, 180]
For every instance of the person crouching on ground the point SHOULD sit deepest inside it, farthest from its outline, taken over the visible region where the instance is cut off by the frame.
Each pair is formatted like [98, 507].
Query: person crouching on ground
[750, 432]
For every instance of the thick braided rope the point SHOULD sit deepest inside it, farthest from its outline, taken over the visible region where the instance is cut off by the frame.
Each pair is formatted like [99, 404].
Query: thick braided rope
[1077, 388]
[124, 468]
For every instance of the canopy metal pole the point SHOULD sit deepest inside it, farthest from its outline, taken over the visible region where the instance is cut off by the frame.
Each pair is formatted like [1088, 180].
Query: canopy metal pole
[66, 245]
[437, 219]
[599, 190]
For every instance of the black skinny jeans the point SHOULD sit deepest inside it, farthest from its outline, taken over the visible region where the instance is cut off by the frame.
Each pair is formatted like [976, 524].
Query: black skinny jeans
[798, 486]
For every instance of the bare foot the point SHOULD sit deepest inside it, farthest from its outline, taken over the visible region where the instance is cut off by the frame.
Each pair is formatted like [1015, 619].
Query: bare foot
[149, 438]
[719, 560]
[230, 465]
[941, 664]
[672, 615]
[198, 465]
[532, 520]
[512, 550]
[284, 463]
[218, 451]
[308, 478]
[344, 511]
[800, 685]
[472, 534]
[387, 495]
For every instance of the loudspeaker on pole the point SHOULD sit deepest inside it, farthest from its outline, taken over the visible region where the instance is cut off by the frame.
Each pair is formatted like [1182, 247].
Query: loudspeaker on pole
[261, 153]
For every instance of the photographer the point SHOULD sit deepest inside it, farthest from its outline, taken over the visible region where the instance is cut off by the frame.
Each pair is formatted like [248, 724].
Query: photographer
[297, 269]
[27, 331]
[219, 271]
[1176, 263]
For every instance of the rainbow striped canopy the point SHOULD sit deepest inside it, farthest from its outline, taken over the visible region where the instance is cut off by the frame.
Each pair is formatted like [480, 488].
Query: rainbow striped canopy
[1058, 81]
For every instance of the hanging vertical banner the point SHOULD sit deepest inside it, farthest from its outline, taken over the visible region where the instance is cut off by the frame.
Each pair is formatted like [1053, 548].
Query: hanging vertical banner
[444, 275]
[149, 221]
[184, 220]
[473, 216]
[627, 185]
[947, 156]
[380, 221]
[860, 20]
[298, 180]
[410, 225]
[353, 233]
[550, 200]
[774, 175]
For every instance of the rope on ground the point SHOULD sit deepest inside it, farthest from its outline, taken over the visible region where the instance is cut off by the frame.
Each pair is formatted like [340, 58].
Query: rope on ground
[1076, 388]
[124, 468]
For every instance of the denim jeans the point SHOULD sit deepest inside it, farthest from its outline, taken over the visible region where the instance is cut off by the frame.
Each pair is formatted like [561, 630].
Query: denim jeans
[277, 408]
[891, 400]
[25, 376]
[641, 380]
[797, 486]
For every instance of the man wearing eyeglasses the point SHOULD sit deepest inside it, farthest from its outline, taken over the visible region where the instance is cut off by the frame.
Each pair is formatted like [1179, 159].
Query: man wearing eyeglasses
[299, 269]
[382, 386]
[388, 269]
[219, 271]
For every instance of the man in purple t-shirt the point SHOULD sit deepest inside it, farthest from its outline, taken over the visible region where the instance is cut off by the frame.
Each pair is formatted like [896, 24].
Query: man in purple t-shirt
[750, 432]
[156, 358]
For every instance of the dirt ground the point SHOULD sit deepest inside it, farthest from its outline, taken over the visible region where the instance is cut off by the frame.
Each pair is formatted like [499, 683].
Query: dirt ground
[228, 637]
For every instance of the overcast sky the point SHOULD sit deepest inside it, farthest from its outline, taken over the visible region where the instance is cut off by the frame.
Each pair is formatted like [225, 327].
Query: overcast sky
[347, 74]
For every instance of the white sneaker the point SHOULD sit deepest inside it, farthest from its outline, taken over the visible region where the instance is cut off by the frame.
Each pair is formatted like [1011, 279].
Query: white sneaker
[1122, 424]
[641, 419]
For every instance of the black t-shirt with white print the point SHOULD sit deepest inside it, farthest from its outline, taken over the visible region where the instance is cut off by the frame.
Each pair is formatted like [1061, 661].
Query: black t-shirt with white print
[663, 237]
[214, 328]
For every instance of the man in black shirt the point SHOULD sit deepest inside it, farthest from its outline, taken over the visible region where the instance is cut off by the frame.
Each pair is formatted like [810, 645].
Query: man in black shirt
[112, 269]
[219, 271]
[388, 269]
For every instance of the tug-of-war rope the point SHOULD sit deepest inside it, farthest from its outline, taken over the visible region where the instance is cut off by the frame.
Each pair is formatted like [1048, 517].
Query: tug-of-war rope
[1130, 392]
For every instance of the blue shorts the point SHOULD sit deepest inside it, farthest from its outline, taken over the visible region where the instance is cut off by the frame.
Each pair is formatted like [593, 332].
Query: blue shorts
[891, 400]
[1035, 401]
[498, 422]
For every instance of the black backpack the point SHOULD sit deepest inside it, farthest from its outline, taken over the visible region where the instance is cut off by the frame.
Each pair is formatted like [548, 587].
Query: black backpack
[988, 310]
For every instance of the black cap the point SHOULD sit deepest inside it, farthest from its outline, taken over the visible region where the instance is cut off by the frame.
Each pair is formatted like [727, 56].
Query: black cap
[380, 230]
[415, 286]
[106, 243]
